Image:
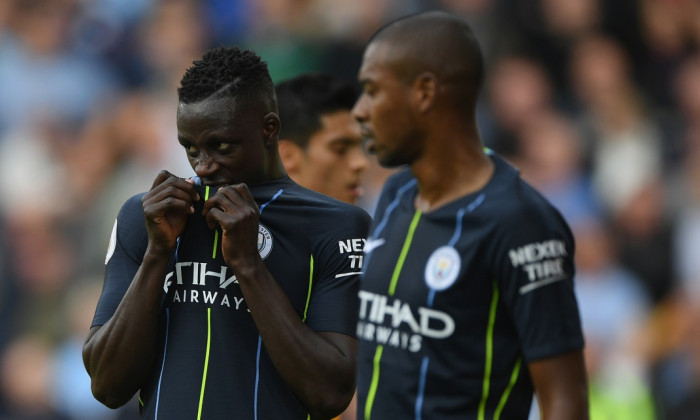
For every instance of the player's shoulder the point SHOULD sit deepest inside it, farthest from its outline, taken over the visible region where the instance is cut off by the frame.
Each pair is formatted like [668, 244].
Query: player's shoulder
[518, 209]
[511, 196]
[132, 207]
[398, 180]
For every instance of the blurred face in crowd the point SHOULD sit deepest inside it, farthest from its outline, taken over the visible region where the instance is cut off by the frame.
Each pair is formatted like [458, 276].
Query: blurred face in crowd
[333, 160]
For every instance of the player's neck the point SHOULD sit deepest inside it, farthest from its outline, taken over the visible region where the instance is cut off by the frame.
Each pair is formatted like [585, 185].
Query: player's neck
[441, 181]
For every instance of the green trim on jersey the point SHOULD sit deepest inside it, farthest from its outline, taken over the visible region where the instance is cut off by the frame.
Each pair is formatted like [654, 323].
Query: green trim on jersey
[392, 288]
[206, 365]
[311, 283]
[375, 382]
[216, 232]
[404, 251]
[504, 398]
[488, 363]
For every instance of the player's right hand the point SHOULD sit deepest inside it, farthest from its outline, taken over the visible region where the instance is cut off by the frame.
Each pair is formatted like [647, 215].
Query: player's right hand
[166, 207]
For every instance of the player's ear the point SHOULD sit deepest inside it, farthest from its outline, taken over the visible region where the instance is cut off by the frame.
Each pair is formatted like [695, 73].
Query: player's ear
[271, 128]
[292, 156]
[425, 91]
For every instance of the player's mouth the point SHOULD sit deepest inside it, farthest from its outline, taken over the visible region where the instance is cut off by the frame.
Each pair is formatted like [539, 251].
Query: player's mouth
[356, 190]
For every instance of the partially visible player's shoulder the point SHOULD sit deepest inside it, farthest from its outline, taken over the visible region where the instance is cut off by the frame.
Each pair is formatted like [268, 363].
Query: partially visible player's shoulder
[328, 206]
[398, 180]
[132, 207]
[130, 223]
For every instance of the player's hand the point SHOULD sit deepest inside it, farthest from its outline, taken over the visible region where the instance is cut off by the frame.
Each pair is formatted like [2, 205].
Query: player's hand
[234, 210]
[166, 207]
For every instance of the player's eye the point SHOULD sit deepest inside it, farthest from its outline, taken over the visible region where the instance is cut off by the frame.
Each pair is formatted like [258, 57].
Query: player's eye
[340, 149]
[223, 147]
[191, 150]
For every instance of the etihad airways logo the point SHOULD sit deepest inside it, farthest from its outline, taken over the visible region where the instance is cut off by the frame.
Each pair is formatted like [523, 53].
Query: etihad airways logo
[189, 281]
[395, 323]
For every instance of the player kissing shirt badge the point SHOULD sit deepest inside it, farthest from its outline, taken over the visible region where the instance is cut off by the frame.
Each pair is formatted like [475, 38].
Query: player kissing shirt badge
[442, 268]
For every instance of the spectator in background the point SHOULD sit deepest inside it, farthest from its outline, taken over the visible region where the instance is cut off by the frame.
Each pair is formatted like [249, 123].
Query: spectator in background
[320, 142]
[625, 150]
[621, 137]
[25, 372]
[551, 159]
[614, 309]
[42, 75]
[517, 89]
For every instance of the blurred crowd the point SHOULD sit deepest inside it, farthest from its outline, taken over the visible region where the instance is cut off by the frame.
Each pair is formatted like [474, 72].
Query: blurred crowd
[597, 102]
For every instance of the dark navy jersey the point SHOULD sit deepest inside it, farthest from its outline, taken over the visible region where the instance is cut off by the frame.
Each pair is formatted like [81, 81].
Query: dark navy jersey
[212, 362]
[456, 302]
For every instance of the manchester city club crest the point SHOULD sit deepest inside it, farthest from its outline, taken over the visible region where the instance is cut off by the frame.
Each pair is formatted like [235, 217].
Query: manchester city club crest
[264, 242]
[442, 268]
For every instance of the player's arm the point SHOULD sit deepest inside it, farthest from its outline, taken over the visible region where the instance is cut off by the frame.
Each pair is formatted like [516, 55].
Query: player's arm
[119, 354]
[560, 386]
[535, 266]
[318, 367]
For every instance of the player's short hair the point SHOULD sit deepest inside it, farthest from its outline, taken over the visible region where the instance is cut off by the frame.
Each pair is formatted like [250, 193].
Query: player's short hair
[304, 99]
[439, 42]
[227, 72]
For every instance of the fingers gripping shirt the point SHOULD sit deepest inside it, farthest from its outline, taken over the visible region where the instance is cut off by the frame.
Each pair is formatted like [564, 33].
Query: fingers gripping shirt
[454, 303]
[213, 363]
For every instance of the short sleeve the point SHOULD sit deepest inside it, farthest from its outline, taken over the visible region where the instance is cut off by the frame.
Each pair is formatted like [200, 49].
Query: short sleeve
[338, 259]
[126, 249]
[535, 269]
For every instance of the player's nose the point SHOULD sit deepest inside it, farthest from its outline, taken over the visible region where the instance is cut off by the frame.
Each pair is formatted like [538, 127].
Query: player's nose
[206, 166]
[358, 159]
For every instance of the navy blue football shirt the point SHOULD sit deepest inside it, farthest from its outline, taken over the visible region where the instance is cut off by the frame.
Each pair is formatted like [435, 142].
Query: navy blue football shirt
[456, 302]
[212, 362]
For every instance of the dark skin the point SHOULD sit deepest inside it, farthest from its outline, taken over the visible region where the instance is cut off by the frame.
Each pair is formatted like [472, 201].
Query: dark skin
[228, 146]
[416, 122]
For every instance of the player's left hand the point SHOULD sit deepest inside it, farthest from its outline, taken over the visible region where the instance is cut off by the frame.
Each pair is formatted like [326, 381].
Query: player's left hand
[234, 210]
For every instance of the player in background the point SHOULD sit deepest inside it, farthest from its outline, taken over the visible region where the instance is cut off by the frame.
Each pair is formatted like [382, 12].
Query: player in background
[320, 142]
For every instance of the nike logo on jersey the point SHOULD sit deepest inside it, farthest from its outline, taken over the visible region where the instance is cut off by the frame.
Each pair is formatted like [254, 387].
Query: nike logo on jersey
[371, 244]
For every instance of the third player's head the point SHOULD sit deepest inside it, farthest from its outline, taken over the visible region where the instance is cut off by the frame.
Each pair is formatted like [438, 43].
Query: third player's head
[320, 142]
[227, 118]
[420, 75]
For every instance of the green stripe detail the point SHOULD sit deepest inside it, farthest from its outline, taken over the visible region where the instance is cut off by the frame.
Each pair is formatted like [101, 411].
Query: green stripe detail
[141, 401]
[216, 232]
[216, 242]
[404, 252]
[206, 365]
[506, 393]
[375, 382]
[392, 288]
[311, 283]
[489, 352]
